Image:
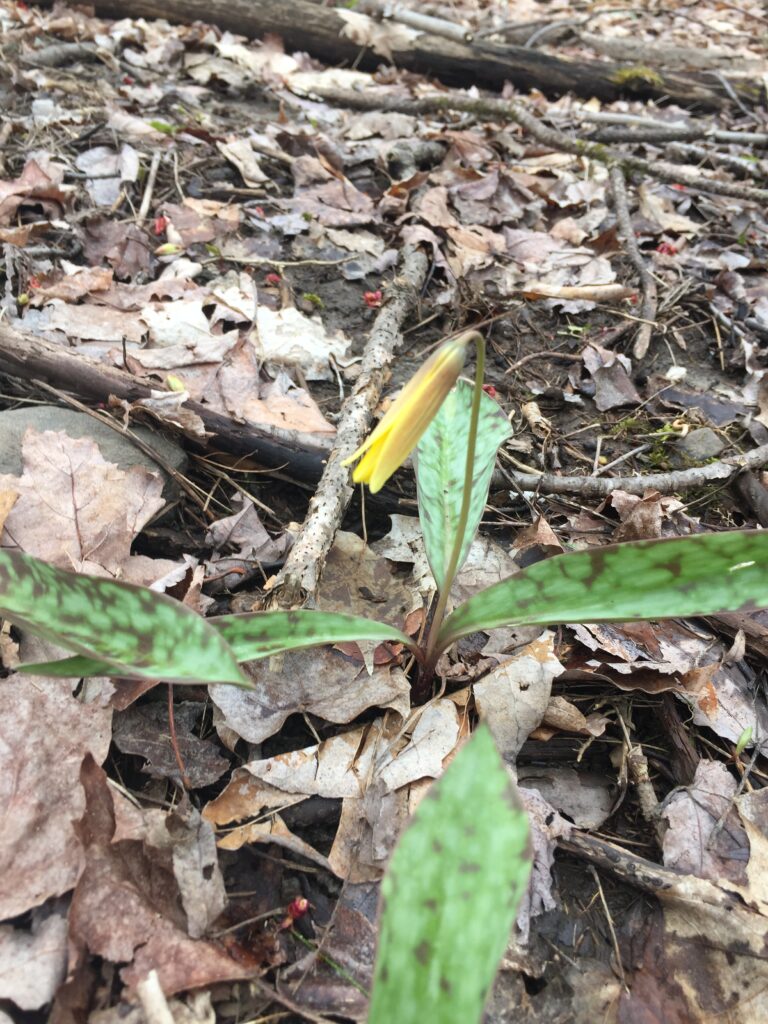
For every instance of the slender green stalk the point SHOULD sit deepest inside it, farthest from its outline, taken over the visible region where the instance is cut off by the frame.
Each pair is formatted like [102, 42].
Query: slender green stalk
[432, 652]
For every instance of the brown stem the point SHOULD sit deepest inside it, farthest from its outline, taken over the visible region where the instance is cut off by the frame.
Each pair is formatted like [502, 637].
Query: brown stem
[175, 741]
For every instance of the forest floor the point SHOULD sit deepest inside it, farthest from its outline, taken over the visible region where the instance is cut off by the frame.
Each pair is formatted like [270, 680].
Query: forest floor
[235, 225]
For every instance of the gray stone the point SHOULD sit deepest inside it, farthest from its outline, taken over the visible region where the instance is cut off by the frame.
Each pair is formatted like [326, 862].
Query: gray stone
[698, 447]
[114, 447]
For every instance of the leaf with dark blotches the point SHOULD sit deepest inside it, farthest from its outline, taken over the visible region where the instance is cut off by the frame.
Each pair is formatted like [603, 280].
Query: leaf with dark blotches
[252, 636]
[114, 623]
[440, 461]
[654, 579]
[450, 894]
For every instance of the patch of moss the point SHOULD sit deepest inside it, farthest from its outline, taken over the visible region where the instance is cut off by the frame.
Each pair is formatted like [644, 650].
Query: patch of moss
[638, 74]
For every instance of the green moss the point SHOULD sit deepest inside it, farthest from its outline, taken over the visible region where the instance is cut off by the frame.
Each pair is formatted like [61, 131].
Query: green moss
[629, 426]
[315, 300]
[638, 74]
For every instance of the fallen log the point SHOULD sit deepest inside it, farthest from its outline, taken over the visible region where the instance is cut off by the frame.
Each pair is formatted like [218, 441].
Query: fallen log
[24, 356]
[338, 36]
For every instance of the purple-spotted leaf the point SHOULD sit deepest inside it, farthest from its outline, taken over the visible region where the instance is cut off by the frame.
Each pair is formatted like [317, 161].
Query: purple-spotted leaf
[254, 636]
[114, 623]
[440, 461]
[653, 579]
[265, 633]
[451, 893]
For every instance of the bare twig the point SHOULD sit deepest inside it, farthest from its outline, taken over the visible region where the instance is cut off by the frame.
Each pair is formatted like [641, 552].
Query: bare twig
[647, 281]
[301, 572]
[609, 921]
[636, 128]
[566, 357]
[740, 165]
[509, 110]
[665, 483]
[146, 199]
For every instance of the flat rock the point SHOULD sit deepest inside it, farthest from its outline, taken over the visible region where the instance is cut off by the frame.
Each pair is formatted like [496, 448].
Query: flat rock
[698, 447]
[114, 447]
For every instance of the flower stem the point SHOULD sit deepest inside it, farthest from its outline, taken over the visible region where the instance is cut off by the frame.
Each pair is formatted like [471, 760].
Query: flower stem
[432, 652]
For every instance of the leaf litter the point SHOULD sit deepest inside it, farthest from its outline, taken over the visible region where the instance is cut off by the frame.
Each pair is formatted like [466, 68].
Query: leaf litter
[243, 286]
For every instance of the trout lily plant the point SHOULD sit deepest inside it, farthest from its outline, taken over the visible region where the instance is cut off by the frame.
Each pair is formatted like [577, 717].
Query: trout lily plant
[461, 866]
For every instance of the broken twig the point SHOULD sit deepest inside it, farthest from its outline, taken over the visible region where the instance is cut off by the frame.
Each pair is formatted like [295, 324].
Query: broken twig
[647, 281]
[301, 572]
[664, 483]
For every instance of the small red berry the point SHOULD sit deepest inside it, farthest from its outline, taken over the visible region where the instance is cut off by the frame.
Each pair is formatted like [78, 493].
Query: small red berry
[272, 279]
[490, 390]
[296, 908]
[160, 224]
[372, 299]
[666, 248]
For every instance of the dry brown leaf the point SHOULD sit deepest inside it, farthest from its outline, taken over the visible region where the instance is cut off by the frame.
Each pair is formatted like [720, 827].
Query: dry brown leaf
[317, 681]
[513, 697]
[127, 908]
[696, 840]
[126, 248]
[143, 730]
[585, 798]
[75, 510]
[238, 389]
[42, 187]
[73, 286]
[7, 501]
[89, 322]
[610, 372]
[47, 733]
[432, 207]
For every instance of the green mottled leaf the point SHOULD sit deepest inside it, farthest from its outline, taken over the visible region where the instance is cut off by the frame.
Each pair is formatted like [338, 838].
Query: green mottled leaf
[255, 636]
[265, 633]
[440, 461]
[115, 623]
[451, 893]
[650, 579]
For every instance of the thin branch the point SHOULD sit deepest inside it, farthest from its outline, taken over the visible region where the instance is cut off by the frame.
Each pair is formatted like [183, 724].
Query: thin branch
[146, 199]
[647, 281]
[665, 483]
[301, 572]
[509, 110]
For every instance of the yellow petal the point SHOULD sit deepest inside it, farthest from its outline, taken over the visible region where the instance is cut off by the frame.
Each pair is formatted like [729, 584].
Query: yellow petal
[401, 428]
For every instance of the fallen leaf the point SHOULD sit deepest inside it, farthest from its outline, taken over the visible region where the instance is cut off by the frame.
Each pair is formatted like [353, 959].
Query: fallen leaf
[289, 338]
[126, 907]
[40, 854]
[703, 835]
[33, 961]
[513, 698]
[585, 798]
[240, 153]
[35, 184]
[143, 730]
[74, 509]
[317, 681]
[126, 248]
[610, 372]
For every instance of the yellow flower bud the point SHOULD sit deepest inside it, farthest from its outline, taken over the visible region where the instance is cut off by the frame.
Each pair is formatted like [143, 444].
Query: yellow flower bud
[402, 426]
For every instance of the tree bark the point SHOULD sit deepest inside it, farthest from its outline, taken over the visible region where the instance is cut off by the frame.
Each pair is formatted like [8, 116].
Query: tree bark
[309, 26]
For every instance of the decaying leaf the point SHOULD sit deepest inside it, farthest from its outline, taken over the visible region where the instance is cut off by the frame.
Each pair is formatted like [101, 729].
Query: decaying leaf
[40, 854]
[126, 906]
[317, 681]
